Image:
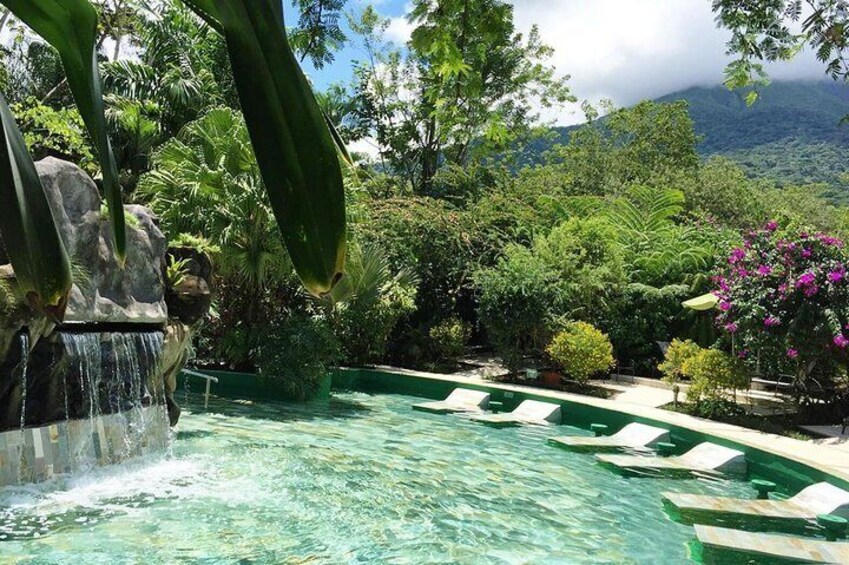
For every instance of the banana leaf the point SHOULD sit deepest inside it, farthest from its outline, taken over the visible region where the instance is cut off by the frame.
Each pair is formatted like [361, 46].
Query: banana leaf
[294, 148]
[70, 26]
[32, 242]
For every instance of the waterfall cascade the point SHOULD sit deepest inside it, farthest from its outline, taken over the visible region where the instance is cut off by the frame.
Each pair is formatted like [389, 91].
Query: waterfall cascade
[80, 399]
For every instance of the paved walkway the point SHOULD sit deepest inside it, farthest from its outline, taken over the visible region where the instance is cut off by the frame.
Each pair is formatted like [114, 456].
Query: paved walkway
[633, 393]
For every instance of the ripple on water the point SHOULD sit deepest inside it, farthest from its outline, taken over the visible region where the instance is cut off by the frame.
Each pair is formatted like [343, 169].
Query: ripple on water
[361, 479]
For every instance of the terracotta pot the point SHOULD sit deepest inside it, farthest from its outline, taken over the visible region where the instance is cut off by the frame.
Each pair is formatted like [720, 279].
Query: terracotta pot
[551, 379]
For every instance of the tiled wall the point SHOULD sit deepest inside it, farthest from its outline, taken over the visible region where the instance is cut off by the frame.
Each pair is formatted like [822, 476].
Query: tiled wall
[37, 454]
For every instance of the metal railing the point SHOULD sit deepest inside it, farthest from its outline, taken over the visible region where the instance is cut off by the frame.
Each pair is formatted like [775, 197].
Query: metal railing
[209, 380]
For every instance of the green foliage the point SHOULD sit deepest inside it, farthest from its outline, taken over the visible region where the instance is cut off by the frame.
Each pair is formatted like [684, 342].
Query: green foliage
[678, 353]
[645, 144]
[515, 304]
[298, 352]
[466, 86]
[210, 166]
[199, 243]
[30, 236]
[365, 306]
[176, 271]
[55, 133]
[721, 191]
[581, 351]
[714, 375]
[448, 341]
[294, 149]
[70, 27]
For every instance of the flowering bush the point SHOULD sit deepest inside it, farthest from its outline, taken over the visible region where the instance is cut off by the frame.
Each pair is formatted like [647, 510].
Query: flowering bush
[581, 351]
[785, 300]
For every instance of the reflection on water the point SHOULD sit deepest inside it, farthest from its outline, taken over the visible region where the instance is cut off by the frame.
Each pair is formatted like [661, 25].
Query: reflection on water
[359, 479]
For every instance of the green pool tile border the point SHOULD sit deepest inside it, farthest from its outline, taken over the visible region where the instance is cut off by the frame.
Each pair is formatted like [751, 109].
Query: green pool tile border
[787, 468]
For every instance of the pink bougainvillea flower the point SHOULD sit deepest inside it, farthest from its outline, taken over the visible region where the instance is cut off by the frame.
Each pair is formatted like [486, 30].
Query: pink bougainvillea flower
[764, 270]
[805, 279]
[771, 321]
[792, 353]
[811, 290]
[743, 353]
[806, 252]
[804, 235]
[737, 254]
[725, 306]
[772, 225]
[731, 328]
[836, 276]
[841, 341]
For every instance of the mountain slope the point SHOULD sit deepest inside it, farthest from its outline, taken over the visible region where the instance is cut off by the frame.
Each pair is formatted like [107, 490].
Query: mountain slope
[792, 134]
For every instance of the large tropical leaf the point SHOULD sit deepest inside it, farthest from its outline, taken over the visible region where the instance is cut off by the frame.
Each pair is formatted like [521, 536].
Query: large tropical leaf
[32, 241]
[293, 146]
[70, 26]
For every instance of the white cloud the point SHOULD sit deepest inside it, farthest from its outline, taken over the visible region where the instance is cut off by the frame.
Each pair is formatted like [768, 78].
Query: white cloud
[628, 51]
[399, 30]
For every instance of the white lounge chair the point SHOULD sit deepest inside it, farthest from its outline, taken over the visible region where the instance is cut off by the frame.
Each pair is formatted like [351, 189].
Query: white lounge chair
[528, 412]
[771, 546]
[460, 400]
[819, 498]
[704, 458]
[633, 435]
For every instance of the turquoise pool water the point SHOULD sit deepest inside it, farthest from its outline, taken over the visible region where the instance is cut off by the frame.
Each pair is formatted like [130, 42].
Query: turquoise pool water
[361, 479]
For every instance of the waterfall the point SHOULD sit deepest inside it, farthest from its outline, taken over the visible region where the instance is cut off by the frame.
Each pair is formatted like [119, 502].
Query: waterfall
[23, 368]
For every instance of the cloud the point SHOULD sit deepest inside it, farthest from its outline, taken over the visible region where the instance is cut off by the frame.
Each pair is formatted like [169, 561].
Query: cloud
[627, 51]
[399, 30]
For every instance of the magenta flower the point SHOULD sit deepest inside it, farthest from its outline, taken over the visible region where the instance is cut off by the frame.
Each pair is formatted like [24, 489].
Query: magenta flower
[806, 252]
[805, 279]
[743, 353]
[792, 353]
[812, 290]
[764, 270]
[771, 321]
[841, 341]
[737, 254]
[772, 225]
[836, 276]
[725, 306]
[731, 328]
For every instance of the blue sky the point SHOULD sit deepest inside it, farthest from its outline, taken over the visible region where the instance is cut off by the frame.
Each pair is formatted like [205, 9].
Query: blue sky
[341, 69]
[620, 50]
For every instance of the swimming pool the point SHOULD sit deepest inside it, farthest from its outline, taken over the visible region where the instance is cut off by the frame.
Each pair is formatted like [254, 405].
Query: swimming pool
[359, 479]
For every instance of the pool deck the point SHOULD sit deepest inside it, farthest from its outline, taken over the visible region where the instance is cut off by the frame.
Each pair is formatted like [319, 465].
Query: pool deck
[830, 459]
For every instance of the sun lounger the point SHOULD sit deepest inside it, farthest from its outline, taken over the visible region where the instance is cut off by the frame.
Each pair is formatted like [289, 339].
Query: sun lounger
[820, 498]
[704, 458]
[460, 400]
[633, 435]
[528, 412]
[772, 546]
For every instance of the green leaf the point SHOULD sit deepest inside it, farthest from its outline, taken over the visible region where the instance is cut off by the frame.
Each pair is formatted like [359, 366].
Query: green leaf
[32, 241]
[70, 26]
[293, 146]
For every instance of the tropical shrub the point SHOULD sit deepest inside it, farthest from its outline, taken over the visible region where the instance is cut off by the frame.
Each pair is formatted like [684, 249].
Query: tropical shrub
[365, 306]
[448, 341]
[298, 351]
[581, 351]
[678, 353]
[784, 300]
[515, 304]
[713, 375]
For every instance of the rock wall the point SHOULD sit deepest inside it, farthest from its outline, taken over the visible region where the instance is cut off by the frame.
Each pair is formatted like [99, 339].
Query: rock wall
[110, 293]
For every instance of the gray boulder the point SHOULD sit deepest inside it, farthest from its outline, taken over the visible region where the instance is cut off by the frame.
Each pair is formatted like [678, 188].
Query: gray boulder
[133, 293]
